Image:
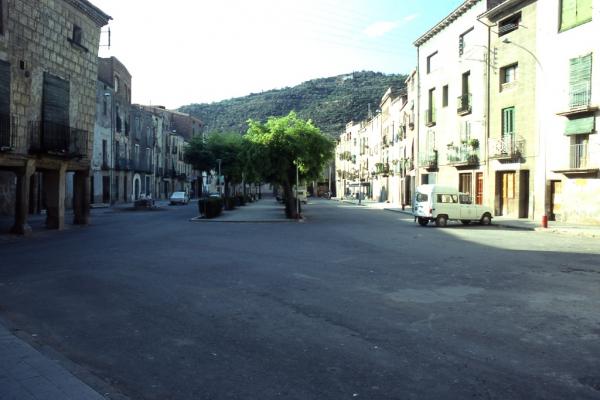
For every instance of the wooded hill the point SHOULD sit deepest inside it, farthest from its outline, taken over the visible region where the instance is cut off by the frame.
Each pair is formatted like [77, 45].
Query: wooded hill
[329, 102]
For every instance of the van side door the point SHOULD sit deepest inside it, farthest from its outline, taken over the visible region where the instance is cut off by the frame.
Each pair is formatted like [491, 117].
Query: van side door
[467, 208]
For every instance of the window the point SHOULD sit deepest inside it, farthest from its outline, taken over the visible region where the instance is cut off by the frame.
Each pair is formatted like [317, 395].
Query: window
[77, 35]
[104, 106]
[574, 13]
[463, 41]
[465, 199]
[431, 62]
[464, 185]
[508, 74]
[116, 84]
[421, 197]
[445, 96]
[447, 198]
[104, 152]
[1, 17]
[580, 81]
[509, 24]
[508, 121]
[5, 136]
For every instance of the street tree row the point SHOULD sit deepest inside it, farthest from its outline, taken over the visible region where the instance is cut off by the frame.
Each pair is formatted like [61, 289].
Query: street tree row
[273, 152]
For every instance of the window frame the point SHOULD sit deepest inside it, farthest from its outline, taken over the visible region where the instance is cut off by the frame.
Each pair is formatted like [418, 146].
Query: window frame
[503, 75]
[509, 24]
[429, 58]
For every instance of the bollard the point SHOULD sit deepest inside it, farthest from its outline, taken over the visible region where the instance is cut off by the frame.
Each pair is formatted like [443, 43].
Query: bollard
[544, 221]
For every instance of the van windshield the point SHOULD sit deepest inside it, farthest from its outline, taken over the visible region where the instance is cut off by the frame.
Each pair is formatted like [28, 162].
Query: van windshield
[421, 197]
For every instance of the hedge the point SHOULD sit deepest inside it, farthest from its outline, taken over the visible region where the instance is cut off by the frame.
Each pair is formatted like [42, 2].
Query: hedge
[210, 207]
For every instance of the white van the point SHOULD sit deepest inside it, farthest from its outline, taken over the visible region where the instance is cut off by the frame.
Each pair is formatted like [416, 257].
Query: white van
[442, 203]
[301, 194]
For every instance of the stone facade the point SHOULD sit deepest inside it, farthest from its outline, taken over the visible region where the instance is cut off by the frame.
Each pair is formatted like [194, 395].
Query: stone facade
[50, 47]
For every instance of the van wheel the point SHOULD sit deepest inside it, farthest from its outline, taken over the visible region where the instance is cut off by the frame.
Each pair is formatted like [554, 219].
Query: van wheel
[465, 221]
[422, 221]
[441, 221]
[486, 219]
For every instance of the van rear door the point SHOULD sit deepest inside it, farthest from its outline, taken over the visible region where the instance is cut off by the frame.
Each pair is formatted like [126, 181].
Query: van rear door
[422, 205]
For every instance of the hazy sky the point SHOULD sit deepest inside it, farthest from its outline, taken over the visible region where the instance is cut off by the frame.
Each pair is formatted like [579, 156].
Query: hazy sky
[196, 51]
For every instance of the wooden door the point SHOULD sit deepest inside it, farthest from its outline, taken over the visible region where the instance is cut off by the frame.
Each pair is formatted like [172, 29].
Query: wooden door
[508, 193]
[479, 188]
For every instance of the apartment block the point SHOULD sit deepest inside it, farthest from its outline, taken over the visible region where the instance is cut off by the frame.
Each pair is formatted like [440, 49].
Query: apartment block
[452, 65]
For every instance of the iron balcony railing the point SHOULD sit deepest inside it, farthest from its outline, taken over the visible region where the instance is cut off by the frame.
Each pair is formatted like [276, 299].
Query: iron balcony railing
[429, 159]
[57, 139]
[579, 156]
[123, 164]
[463, 154]
[508, 146]
[580, 95]
[464, 104]
[430, 117]
[8, 137]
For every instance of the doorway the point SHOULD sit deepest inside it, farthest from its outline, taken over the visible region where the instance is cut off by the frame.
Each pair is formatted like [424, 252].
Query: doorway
[106, 189]
[479, 188]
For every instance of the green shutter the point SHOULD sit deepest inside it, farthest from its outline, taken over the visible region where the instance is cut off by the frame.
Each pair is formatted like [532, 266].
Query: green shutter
[580, 80]
[579, 126]
[508, 121]
[568, 14]
[584, 11]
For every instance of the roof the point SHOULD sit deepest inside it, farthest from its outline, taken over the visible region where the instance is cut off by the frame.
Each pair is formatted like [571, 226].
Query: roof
[93, 12]
[453, 16]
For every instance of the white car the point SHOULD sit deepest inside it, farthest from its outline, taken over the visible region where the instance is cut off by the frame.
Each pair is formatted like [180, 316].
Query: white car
[442, 203]
[179, 198]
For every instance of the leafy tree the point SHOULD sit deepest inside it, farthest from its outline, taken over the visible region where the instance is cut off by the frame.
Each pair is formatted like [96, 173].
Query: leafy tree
[283, 144]
[199, 155]
[228, 148]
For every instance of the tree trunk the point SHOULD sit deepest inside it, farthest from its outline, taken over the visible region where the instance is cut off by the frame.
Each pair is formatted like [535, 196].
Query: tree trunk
[290, 202]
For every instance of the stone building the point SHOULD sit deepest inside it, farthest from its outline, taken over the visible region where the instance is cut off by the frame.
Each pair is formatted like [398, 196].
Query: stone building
[112, 178]
[48, 73]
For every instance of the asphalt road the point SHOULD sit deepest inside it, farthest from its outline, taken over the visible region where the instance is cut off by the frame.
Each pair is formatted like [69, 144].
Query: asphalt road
[355, 303]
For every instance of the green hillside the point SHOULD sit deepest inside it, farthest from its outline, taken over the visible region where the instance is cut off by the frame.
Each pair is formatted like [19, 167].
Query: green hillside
[329, 102]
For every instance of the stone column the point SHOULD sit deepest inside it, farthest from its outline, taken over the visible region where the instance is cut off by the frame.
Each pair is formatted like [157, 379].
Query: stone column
[21, 227]
[55, 186]
[81, 197]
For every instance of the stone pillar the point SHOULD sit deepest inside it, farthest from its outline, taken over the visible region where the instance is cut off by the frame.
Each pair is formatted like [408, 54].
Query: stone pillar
[21, 227]
[81, 197]
[55, 186]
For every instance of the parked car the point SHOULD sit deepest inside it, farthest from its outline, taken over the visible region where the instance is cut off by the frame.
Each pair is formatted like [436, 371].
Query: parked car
[439, 204]
[179, 198]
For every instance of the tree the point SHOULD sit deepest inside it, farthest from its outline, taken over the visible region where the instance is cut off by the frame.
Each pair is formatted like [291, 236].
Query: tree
[227, 147]
[198, 154]
[283, 144]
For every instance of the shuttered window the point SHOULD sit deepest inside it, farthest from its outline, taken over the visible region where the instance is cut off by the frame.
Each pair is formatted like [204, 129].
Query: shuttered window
[508, 121]
[580, 81]
[55, 105]
[574, 12]
[580, 126]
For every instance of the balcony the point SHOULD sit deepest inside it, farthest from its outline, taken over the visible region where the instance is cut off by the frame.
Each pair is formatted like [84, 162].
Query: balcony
[382, 169]
[430, 117]
[8, 139]
[579, 161]
[464, 104]
[465, 155]
[57, 140]
[429, 160]
[123, 164]
[509, 147]
[580, 97]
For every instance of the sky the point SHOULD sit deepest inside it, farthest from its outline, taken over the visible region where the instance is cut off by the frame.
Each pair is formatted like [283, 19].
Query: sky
[200, 51]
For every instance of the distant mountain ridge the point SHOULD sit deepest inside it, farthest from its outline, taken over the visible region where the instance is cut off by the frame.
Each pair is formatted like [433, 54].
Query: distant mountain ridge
[329, 102]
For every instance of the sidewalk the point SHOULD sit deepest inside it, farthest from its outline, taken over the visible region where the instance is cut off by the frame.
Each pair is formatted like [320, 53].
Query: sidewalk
[266, 210]
[592, 231]
[26, 374]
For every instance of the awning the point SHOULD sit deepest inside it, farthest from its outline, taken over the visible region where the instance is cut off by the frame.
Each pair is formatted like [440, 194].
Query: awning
[580, 126]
